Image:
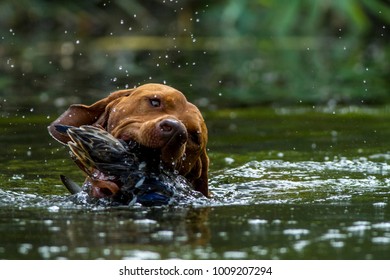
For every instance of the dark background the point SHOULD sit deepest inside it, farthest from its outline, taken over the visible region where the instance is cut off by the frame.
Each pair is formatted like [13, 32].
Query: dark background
[219, 53]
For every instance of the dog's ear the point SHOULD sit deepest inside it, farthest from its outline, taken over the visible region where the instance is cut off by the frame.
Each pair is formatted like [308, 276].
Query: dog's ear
[200, 183]
[79, 114]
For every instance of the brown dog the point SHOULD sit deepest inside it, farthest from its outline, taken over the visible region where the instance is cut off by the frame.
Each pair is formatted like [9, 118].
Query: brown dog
[156, 116]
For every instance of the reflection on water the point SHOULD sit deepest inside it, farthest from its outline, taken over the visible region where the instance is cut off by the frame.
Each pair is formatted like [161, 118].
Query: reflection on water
[268, 202]
[269, 231]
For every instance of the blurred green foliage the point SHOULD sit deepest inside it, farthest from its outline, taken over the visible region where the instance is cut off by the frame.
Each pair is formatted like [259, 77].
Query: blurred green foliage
[220, 53]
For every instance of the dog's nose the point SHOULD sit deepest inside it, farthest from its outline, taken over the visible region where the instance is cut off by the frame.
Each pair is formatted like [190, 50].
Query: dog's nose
[168, 125]
[173, 128]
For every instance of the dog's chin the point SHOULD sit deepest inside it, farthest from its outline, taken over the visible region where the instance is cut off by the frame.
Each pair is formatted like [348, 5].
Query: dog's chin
[170, 159]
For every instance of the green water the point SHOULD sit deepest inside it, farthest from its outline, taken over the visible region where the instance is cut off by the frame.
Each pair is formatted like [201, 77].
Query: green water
[302, 183]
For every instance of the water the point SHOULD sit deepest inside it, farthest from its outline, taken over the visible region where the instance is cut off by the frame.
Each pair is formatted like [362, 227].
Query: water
[303, 183]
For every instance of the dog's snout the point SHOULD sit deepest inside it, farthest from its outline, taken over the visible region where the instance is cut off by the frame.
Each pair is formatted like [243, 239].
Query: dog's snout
[172, 127]
[169, 125]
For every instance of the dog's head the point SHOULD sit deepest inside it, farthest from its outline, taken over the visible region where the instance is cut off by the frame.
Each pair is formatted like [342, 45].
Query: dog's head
[155, 116]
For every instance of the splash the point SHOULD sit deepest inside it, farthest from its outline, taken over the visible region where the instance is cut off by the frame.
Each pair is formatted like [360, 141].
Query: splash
[278, 181]
[341, 180]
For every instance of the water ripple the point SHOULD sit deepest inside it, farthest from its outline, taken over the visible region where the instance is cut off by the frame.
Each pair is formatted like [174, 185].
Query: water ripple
[259, 182]
[278, 181]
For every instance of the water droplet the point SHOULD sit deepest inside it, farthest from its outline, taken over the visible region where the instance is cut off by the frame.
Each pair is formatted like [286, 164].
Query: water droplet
[257, 222]
[53, 209]
[229, 160]
[122, 21]
[17, 176]
[77, 42]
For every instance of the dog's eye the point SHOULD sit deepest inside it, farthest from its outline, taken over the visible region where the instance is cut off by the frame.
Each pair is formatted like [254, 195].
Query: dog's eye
[155, 102]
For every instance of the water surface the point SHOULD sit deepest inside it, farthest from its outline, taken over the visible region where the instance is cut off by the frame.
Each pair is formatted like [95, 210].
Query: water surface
[302, 183]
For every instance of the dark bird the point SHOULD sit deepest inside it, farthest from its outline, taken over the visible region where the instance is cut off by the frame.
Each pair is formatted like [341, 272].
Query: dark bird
[122, 172]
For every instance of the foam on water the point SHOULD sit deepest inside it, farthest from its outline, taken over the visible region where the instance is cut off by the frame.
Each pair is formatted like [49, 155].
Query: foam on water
[278, 181]
[256, 182]
[141, 255]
